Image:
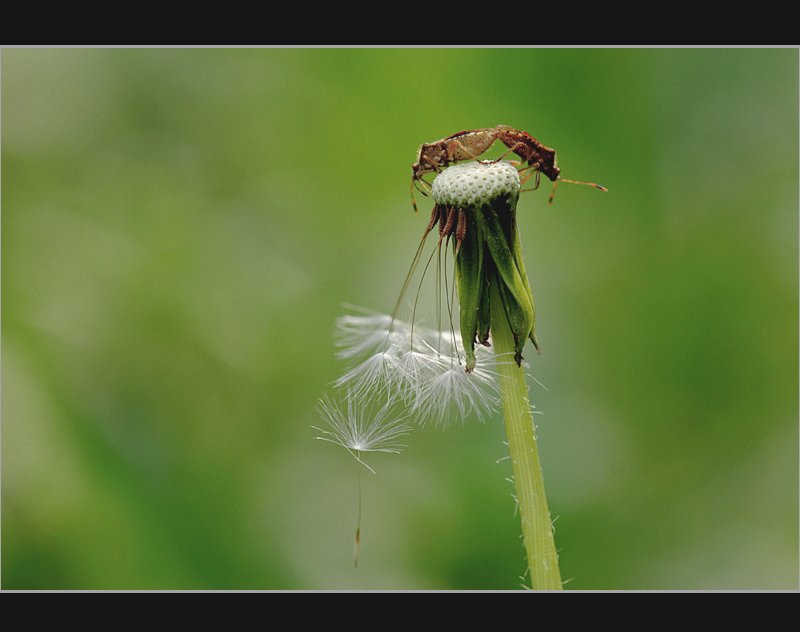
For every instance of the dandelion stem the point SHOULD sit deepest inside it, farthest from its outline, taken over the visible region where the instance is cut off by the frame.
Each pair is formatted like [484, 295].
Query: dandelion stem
[537, 529]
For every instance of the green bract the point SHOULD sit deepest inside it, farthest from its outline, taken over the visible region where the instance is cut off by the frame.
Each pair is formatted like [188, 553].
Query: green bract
[489, 251]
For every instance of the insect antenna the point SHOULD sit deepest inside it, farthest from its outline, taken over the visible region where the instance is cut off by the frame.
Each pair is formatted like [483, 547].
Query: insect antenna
[555, 183]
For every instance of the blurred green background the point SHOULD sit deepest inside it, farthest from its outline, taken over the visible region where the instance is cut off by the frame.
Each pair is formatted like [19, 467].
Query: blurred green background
[180, 229]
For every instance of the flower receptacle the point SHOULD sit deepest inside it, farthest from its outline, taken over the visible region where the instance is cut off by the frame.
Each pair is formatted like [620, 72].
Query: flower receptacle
[488, 251]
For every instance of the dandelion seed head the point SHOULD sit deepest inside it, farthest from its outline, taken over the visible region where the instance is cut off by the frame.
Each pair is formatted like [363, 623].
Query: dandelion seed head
[474, 183]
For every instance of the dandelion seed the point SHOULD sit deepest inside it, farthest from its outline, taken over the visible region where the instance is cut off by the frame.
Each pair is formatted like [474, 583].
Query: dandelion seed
[370, 376]
[360, 336]
[362, 426]
[452, 393]
[438, 343]
[413, 370]
[424, 370]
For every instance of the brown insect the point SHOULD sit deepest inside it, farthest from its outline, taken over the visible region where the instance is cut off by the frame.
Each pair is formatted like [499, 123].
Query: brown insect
[470, 144]
[540, 159]
[439, 154]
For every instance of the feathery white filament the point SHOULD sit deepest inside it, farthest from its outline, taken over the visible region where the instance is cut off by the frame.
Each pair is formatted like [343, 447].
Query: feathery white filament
[428, 378]
[361, 425]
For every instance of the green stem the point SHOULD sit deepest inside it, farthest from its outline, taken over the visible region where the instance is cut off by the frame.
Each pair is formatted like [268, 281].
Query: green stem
[537, 529]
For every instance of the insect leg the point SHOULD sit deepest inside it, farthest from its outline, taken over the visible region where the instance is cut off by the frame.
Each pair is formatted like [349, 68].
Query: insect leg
[415, 183]
[512, 149]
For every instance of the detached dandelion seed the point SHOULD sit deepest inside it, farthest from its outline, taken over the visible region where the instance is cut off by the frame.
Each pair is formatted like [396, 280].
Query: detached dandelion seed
[362, 426]
[358, 427]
